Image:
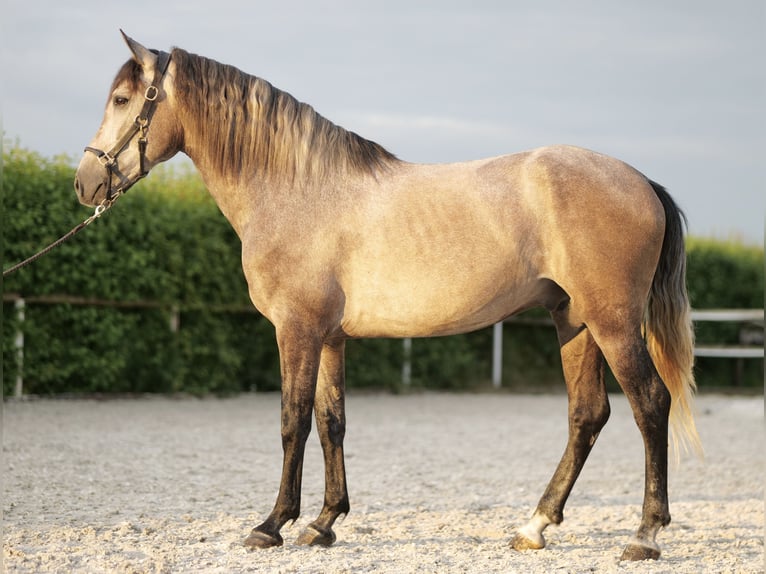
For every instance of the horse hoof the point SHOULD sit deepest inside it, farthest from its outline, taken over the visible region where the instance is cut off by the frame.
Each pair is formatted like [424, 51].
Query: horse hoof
[313, 536]
[636, 552]
[259, 539]
[523, 542]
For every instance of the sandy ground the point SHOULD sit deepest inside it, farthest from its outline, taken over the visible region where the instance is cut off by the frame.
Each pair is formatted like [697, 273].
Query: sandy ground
[437, 484]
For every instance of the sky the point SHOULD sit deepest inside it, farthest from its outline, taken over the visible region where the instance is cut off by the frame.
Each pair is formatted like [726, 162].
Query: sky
[675, 88]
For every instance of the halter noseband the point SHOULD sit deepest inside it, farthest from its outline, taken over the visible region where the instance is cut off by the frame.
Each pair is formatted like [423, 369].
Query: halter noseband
[140, 125]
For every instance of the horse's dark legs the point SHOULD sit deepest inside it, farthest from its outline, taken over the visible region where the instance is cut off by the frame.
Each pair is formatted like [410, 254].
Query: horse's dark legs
[583, 366]
[650, 401]
[299, 358]
[329, 409]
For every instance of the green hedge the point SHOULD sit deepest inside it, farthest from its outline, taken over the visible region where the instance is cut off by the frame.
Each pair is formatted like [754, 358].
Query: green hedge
[725, 274]
[167, 244]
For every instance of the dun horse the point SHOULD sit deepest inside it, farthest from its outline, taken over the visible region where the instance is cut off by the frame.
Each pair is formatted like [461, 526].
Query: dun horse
[340, 239]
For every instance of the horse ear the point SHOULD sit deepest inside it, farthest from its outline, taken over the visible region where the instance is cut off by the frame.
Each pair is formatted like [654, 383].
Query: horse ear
[141, 55]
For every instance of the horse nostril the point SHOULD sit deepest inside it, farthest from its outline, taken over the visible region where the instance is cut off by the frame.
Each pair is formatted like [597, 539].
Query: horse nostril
[77, 184]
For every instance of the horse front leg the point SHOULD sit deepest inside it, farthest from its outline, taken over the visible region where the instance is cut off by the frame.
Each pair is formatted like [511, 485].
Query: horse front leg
[299, 358]
[329, 409]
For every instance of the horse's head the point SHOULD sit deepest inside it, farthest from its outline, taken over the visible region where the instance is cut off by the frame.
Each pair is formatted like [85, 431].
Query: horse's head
[139, 129]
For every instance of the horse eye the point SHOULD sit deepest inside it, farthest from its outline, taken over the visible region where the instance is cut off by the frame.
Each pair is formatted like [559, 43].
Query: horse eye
[120, 101]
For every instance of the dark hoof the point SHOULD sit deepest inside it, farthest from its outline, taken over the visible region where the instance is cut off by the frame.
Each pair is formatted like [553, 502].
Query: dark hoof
[259, 539]
[313, 536]
[521, 542]
[635, 552]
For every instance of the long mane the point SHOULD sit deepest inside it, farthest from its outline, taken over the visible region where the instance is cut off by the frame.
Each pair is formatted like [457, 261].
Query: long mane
[249, 125]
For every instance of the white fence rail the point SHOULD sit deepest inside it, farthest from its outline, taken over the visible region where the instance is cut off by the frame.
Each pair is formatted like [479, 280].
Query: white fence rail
[751, 340]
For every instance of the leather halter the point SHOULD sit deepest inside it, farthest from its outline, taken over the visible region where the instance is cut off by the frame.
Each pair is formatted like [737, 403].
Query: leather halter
[140, 126]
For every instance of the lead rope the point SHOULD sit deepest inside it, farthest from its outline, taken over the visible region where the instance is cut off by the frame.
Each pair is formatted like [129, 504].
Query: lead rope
[100, 210]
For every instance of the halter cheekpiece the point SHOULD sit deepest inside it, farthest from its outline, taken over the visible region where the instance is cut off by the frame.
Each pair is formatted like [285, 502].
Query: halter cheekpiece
[140, 126]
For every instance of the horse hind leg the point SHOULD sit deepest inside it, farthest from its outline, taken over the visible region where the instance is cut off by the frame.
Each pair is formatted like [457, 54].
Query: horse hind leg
[329, 410]
[583, 365]
[629, 359]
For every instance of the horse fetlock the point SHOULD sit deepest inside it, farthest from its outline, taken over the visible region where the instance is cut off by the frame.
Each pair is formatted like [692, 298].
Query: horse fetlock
[341, 508]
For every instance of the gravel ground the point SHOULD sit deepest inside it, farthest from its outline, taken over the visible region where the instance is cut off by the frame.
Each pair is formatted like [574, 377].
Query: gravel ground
[437, 483]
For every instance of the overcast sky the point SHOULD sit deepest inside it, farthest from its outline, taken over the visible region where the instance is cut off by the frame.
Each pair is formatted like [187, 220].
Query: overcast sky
[675, 88]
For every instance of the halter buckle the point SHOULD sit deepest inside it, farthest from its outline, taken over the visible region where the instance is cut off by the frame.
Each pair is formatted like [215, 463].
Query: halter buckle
[107, 160]
[151, 93]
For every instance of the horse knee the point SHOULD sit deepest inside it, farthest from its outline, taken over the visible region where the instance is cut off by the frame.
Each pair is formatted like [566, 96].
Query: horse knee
[587, 427]
[330, 411]
[331, 426]
[295, 429]
[589, 420]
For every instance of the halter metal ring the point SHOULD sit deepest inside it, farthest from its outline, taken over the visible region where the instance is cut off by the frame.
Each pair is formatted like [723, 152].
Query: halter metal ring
[151, 93]
[107, 159]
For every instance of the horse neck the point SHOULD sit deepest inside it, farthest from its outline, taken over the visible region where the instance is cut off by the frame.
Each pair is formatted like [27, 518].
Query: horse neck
[236, 199]
[235, 194]
[268, 145]
[248, 196]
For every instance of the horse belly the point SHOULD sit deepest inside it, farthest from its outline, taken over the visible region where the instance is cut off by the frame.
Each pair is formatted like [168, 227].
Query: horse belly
[418, 300]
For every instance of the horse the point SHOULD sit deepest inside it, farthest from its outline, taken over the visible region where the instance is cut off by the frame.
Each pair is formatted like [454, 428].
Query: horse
[342, 239]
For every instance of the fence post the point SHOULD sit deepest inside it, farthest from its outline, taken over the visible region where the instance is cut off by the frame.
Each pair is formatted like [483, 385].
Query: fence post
[19, 306]
[497, 355]
[407, 364]
[175, 319]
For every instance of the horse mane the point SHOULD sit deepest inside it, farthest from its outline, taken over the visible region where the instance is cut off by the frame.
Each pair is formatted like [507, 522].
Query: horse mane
[248, 124]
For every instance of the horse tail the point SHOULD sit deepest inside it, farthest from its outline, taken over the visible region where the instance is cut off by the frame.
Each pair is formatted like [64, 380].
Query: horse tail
[668, 327]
